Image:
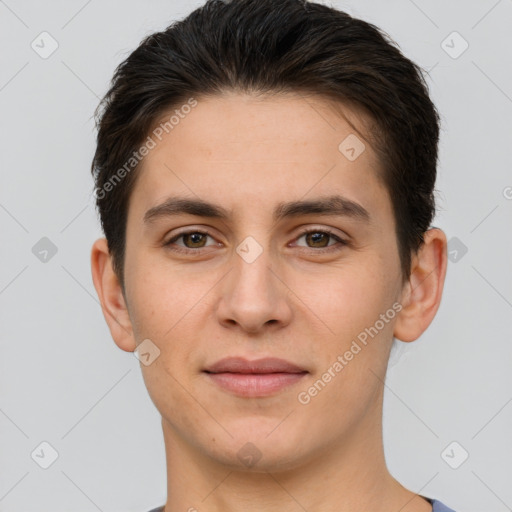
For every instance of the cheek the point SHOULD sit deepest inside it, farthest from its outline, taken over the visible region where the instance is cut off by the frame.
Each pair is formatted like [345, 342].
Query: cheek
[161, 297]
[350, 298]
[354, 358]
[163, 308]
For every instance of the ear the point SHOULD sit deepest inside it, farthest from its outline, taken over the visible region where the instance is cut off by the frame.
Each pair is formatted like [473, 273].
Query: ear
[111, 296]
[422, 293]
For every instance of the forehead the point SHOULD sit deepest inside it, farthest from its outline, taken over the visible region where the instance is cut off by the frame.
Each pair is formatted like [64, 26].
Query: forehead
[240, 148]
[230, 123]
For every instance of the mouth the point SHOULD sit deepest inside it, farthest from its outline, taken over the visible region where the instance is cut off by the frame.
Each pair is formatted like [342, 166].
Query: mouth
[257, 378]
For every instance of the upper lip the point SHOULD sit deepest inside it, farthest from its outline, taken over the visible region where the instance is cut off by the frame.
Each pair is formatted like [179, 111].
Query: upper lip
[242, 365]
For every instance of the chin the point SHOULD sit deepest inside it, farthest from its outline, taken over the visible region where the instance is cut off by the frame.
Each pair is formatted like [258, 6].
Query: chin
[258, 458]
[258, 446]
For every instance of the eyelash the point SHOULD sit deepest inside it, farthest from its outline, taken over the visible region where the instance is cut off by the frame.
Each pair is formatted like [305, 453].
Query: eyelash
[186, 250]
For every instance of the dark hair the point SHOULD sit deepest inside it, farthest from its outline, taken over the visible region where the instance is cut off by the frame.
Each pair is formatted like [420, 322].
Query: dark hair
[272, 46]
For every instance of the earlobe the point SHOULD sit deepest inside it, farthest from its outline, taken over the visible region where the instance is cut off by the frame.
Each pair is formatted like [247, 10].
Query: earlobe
[111, 296]
[423, 292]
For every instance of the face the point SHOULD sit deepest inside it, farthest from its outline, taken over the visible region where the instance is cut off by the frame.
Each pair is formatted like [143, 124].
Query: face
[271, 270]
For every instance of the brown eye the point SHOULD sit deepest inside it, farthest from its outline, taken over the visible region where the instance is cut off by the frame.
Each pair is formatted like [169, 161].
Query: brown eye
[320, 239]
[195, 240]
[192, 241]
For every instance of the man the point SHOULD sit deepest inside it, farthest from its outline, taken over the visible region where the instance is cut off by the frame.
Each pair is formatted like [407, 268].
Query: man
[264, 175]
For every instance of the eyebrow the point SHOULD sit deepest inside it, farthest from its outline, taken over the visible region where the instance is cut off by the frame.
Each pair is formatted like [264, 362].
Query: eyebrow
[332, 205]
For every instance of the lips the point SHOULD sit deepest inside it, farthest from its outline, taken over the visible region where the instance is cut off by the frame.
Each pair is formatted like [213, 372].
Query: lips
[257, 378]
[241, 365]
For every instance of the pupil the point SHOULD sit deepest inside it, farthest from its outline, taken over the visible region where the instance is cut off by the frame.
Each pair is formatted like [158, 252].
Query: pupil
[317, 237]
[195, 238]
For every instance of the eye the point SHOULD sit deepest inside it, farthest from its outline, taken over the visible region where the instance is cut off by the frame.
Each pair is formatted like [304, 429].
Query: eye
[192, 240]
[319, 239]
[316, 240]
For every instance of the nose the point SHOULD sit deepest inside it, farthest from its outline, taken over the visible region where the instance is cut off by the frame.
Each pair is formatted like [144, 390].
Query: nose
[254, 296]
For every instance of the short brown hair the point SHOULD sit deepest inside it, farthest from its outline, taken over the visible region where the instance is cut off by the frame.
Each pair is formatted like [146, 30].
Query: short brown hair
[272, 46]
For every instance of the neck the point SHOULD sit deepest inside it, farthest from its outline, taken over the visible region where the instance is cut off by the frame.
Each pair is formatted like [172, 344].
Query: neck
[349, 476]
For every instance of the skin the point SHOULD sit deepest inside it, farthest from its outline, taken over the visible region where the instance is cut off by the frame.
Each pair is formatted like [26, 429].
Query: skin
[295, 301]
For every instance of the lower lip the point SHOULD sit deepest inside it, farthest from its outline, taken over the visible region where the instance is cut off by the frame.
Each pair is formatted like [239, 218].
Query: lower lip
[255, 384]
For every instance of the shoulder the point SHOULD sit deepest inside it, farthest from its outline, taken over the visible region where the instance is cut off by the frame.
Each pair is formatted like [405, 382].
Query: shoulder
[437, 506]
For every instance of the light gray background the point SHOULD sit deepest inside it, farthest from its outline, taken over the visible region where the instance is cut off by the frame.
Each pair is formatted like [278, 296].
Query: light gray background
[63, 380]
